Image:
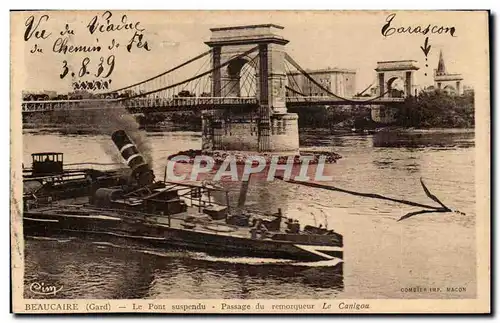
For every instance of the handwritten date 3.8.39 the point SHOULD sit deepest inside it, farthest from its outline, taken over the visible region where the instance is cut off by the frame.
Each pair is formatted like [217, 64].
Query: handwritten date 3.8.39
[103, 68]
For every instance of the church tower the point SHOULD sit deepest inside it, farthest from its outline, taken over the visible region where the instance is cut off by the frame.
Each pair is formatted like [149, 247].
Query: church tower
[450, 83]
[441, 70]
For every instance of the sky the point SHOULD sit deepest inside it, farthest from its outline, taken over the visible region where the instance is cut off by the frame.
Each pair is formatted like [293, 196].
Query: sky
[317, 39]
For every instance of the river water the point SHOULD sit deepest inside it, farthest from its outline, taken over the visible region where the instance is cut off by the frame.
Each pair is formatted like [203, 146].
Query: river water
[383, 258]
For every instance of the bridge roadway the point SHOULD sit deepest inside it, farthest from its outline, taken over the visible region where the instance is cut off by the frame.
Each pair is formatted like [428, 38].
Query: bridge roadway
[141, 105]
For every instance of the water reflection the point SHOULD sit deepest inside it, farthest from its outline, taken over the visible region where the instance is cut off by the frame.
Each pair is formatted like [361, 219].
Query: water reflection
[423, 248]
[106, 270]
[463, 139]
[317, 138]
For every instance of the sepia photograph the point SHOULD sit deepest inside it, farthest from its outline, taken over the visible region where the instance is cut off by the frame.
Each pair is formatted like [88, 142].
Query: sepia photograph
[250, 161]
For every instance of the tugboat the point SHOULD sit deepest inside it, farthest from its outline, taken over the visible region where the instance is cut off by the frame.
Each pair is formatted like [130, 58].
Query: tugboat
[179, 215]
[47, 180]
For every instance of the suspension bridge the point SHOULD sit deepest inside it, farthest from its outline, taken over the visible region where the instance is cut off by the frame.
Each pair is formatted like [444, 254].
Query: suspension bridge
[243, 84]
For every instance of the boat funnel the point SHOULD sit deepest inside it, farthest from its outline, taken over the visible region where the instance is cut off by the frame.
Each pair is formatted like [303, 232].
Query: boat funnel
[134, 159]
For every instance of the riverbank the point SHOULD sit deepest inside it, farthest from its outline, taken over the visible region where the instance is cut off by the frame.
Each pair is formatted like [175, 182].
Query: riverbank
[75, 129]
[86, 129]
[387, 129]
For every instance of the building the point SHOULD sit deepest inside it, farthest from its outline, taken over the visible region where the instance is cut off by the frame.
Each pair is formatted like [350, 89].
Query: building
[450, 83]
[341, 82]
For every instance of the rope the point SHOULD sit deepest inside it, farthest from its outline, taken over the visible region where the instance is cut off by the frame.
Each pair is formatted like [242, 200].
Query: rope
[428, 208]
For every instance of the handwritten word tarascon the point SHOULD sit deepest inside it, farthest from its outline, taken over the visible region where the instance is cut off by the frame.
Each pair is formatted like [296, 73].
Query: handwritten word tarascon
[389, 29]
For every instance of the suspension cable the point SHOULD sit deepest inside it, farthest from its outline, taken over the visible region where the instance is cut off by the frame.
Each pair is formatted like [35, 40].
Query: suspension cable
[232, 87]
[297, 66]
[295, 91]
[252, 82]
[164, 73]
[194, 77]
[198, 82]
[369, 86]
[296, 83]
[196, 73]
[234, 84]
[207, 86]
[248, 77]
[244, 86]
[293, 76]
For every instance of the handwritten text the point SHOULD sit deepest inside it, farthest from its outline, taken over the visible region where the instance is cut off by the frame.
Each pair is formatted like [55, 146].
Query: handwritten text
[388, 29]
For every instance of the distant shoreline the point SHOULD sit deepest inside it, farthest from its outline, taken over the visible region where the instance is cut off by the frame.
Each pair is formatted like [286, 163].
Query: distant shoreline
[85, 129]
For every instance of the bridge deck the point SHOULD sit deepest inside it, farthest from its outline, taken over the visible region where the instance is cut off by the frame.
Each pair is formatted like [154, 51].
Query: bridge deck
[140, 105]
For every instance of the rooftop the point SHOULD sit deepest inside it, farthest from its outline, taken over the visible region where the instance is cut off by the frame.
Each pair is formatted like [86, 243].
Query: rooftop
[246, 35]
[401, 65]
[246, 27]
[448, 77]
[404, 60]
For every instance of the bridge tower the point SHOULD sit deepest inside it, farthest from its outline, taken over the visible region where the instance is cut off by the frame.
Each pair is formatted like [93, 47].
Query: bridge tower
[395, 80]
[390, 73]
[269, 127]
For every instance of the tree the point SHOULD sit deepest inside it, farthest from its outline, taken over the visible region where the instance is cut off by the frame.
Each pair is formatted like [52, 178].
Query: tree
[437, 109]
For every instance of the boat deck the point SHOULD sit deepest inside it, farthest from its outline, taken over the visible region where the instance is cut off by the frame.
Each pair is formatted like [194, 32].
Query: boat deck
[193, 220]
[176, 221]
[188, 229]
[218, 227]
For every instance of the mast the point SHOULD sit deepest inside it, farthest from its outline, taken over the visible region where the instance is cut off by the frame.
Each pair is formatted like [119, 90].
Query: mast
[243, 192]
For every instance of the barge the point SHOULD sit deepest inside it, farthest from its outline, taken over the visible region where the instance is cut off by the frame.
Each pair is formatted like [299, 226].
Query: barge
[165, 214]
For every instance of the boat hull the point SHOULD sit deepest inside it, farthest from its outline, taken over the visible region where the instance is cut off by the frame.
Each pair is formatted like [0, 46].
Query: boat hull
[158, 234]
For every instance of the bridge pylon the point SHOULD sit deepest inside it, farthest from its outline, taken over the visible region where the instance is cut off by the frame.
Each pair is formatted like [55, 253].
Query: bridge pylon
[269, 127]
[389, 72]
